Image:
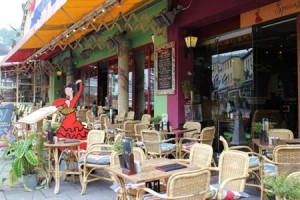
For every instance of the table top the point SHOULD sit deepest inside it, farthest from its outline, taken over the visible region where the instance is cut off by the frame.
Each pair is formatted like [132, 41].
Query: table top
[177, 131]
[272, 146]
[64, 144]
[149, 173]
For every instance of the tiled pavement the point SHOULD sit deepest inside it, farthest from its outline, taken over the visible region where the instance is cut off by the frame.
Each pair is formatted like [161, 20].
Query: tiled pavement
[98, 190]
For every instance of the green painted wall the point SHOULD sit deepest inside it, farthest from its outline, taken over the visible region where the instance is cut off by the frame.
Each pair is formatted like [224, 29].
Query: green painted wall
[56, 87]
[138, 38]
[160, 102]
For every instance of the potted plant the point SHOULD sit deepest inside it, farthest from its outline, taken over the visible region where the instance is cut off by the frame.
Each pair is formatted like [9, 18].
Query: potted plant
[186, 87]
[118, 147]
[156, 121]
[282, 187]
[27, 160]
[50, 129]
[257, 127]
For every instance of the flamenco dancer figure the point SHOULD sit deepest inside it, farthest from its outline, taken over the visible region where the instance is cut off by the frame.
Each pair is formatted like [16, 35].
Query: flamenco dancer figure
[70, 127]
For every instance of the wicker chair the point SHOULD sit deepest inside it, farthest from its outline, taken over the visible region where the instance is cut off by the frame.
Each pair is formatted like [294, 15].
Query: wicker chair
[233, 171]
[99, 110]
[155, 146]
[121, 116]
[281, 134]
[286, 160]
[191, 125]
[187, 185]
[253, 160]
[138, 155]
[138, 128]
[96, 157]
[128, 128]
[206, 136]
[146, 119]
[90, 118]
[130, 115]
[200, 155]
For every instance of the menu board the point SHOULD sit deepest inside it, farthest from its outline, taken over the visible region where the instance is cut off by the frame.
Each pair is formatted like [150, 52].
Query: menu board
[5, 119]
[165, 69]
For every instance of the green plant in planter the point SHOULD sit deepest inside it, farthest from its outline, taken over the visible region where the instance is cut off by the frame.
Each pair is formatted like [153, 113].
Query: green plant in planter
[118, 146]
[27, 157]
[155, 120]
[282, 188]
[53, 127]
[257, 126]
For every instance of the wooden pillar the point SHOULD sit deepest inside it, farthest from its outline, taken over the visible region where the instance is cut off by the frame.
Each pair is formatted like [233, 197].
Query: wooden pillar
[123, 73]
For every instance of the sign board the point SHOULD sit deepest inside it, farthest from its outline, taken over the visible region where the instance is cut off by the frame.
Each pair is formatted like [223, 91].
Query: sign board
[38, 115]
[165, 69]
[269, 12]
[5, 120]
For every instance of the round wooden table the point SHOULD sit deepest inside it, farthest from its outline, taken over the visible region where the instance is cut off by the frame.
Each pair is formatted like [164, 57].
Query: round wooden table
[72, 148]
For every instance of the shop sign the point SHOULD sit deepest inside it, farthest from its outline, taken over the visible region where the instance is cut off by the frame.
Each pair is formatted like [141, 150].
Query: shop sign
[269, 12]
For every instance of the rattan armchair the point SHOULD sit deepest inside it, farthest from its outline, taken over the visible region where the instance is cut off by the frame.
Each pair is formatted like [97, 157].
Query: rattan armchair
[200, 155]
[121, 116]
[233, 171]
[146, 119]
[253, 160]
[206, 136]
[191, 125]
[96, 157]
[138, 128]
[188, 185]
[155, 146]
[281, 133]
[139, 155]
[286, 160]
[130, 115]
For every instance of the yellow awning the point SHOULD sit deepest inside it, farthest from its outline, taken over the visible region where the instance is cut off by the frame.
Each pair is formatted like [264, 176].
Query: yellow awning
[61, 17]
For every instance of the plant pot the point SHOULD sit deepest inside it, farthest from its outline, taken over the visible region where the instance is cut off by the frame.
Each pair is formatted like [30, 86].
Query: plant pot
[30, 181]
[157, 127]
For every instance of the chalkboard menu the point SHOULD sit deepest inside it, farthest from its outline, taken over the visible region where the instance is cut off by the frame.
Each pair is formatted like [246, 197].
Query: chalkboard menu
[165, 69]
[5, 120]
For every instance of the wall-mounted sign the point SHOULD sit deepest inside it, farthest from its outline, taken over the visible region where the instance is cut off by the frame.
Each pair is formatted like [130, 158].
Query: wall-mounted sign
[165, 69]
[269, 12]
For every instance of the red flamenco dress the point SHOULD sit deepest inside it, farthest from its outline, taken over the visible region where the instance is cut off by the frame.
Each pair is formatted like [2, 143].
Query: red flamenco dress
[70, 127]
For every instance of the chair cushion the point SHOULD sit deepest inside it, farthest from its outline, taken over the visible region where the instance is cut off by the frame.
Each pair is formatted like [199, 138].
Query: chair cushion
[151, 197]
[187, 146]
[226, 195]
[96, 159]
[253, 161]
[131, 189]
[165, 147]
[269, 169]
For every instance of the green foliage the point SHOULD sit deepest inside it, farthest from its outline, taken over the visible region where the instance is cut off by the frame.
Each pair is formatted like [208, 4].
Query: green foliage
[186, 85]
[9, 37]
[282, 187]
[257, 126]
[118, 146]
[156, 119]
[54, 127]
[26, 157]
